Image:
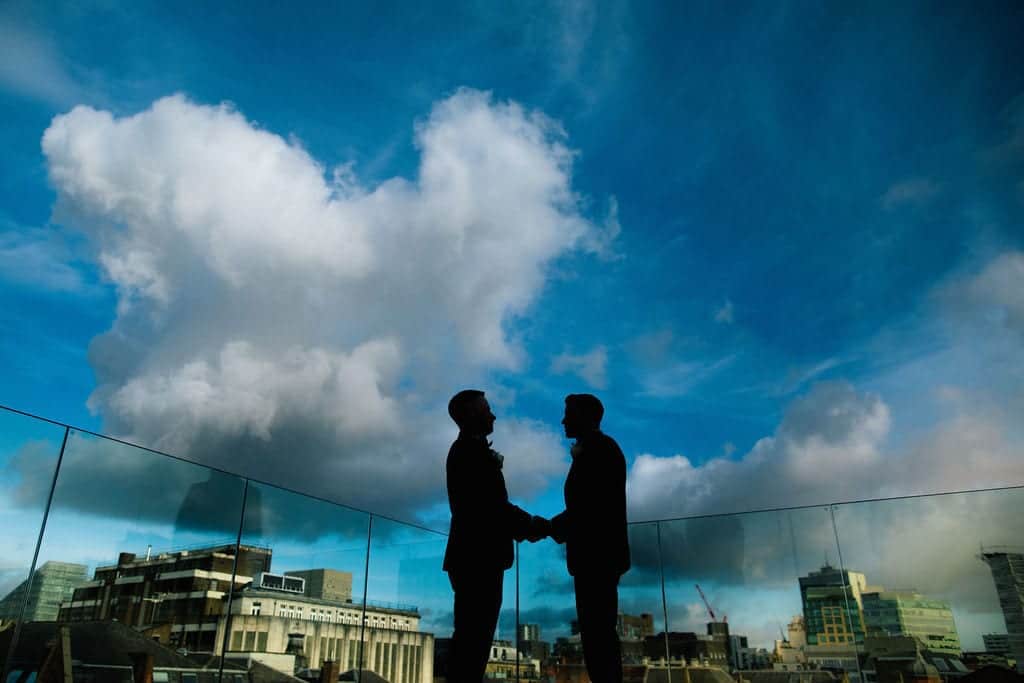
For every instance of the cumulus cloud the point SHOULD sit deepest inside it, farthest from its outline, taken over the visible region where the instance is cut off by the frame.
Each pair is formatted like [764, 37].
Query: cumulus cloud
[284, 320]
[591, 367]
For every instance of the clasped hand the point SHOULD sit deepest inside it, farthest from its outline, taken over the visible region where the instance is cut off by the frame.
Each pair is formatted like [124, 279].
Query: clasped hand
[539, 528]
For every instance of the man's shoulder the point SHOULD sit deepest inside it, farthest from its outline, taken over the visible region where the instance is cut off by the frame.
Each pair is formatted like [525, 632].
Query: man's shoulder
[463, 448]
[603, 443]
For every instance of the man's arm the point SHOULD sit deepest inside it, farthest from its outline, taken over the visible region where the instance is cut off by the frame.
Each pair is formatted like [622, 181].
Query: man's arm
[560, 525]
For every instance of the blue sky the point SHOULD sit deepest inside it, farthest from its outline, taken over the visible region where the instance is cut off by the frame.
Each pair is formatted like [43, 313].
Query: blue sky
[783, 243]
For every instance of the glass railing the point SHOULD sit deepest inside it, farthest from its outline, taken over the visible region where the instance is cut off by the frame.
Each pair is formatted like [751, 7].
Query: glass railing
[118, 559]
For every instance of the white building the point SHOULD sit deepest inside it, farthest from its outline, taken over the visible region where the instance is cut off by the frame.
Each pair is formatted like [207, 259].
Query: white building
[263, 620]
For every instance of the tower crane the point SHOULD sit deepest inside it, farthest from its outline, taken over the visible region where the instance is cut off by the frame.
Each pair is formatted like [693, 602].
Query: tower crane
[711, 612]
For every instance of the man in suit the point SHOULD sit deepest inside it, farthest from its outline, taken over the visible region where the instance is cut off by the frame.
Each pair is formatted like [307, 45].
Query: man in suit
[593, 528]
[480, 542]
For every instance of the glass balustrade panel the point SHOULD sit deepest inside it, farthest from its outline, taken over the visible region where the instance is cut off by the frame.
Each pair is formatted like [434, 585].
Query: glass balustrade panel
[29, 449]
[408, 604]
[549, 642]
[939, 581]
[152, 539]
[299, 597]
[756, 591]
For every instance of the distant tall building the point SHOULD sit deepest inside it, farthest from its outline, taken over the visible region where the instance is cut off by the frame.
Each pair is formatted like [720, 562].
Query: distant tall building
[908, 613]
[832, 606]
[529, 632]
[1008, 574]
[53, 583]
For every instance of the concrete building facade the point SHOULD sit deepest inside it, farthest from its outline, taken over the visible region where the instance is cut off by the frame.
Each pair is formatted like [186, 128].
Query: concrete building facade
[178, 596]
[264, 622]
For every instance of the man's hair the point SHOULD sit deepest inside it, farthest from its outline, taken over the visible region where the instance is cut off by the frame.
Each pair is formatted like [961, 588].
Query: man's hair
[461, 405]
[586, 406]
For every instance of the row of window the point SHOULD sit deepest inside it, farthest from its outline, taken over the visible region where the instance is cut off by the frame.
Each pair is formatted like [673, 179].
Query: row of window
[383, 656]
[331, 616]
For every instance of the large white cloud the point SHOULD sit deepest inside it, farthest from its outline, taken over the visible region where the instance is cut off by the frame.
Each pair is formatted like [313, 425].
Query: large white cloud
[281, 319]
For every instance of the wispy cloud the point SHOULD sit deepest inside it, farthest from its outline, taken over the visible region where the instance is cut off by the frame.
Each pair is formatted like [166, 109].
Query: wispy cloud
[725, 314]
[591, 367]
[909, 192]
[33, 66]
[40, 258]
[679, 378]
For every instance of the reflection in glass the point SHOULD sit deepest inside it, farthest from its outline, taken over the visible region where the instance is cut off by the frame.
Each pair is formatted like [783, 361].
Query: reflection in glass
[547, 611]
[29, 450]
[549, 641]
[939, 580]
[738, 596]
[642, 610]
[409, 602]
[300, 598]
[158, 559]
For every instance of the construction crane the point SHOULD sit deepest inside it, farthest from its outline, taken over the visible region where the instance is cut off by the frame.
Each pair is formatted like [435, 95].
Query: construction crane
[708, 604]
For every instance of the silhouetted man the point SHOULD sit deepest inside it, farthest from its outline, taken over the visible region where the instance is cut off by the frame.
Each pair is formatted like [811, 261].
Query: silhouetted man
[480, 541]
[593, 528]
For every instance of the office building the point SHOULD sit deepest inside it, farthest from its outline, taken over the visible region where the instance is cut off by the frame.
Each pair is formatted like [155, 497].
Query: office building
[53, 583]
[267, 622]
[832, 606]
[908, 613]
[176, 597]
[1008, 575]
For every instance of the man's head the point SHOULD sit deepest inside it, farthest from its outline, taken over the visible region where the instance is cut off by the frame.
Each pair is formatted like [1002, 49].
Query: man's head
[471, 411]
[583, 413]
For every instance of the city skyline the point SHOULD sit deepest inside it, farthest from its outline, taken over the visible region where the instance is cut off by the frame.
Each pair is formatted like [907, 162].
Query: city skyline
[403, 570]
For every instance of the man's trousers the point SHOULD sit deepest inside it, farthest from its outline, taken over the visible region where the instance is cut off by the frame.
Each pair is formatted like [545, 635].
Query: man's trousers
[477, 604]
[597, 608]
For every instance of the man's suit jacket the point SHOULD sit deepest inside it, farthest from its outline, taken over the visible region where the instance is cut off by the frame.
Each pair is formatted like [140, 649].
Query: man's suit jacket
[484, 524]
[593, 526]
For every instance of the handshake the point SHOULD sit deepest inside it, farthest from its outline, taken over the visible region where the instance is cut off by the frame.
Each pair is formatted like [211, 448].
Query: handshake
[539, 528]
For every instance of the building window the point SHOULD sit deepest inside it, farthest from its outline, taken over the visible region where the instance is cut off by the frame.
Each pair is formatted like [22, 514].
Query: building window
[256, 609]
[236, 640]
[261, 641]
[250, 641]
